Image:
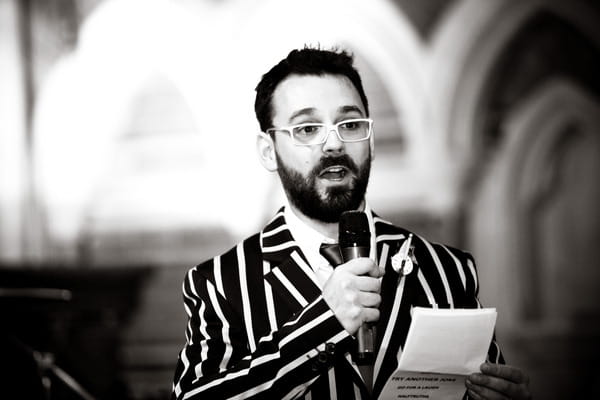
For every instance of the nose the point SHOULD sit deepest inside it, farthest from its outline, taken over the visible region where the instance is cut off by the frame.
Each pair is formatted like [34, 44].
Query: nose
[333, 144]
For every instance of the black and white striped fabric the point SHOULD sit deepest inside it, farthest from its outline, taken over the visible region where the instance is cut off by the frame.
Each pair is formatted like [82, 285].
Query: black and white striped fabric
[259, 327]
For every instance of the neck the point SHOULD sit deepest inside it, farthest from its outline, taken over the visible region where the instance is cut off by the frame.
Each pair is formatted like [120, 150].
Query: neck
[328, 229]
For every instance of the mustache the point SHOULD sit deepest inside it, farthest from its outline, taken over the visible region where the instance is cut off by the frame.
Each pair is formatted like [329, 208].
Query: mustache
[343, 160]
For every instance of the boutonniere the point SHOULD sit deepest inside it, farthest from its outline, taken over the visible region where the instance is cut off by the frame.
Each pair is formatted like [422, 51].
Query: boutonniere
[404, 260]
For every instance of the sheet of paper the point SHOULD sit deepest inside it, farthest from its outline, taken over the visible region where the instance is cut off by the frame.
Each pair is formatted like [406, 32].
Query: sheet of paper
[408, 385]
[442, 347]
[450, 341]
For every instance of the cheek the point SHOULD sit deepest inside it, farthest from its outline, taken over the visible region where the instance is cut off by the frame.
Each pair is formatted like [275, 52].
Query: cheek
[298, 158]
[359, 154]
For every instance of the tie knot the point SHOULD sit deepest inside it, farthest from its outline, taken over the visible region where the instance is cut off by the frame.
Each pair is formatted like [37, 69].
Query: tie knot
[332, 253]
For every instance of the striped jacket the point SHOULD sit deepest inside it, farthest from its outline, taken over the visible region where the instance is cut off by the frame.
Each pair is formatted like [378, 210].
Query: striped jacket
[259, 327]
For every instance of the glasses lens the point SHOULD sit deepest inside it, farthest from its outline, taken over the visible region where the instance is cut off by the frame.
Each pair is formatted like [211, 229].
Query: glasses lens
[308, 133]
[357, 129]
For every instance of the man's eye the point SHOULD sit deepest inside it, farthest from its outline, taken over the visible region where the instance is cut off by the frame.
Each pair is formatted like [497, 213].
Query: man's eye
[350, 125]
[307, 130]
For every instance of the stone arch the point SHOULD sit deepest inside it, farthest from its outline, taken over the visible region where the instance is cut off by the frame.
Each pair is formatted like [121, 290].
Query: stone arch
[216, 78]
[521, 178]
[545, 173]
[462, 59]
[82, 107]
[533, 227]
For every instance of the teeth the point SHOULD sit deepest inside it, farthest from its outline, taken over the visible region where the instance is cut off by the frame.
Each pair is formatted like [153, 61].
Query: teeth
[337, 172]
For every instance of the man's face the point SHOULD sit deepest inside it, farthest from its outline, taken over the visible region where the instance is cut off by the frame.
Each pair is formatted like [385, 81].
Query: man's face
[323, 180]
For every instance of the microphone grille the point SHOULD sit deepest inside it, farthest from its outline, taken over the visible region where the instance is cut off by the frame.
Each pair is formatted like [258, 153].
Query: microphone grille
[354, 229]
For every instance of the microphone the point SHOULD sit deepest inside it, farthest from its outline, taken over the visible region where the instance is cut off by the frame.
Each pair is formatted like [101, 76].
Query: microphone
[355, 241]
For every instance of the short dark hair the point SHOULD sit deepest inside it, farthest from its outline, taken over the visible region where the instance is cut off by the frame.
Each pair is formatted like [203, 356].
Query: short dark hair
[306, 61]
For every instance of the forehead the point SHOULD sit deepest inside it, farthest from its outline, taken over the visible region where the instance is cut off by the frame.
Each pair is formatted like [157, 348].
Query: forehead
[324, 95]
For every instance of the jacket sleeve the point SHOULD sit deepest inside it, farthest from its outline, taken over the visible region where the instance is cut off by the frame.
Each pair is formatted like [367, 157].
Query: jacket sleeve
[217, 360]
[494, 353]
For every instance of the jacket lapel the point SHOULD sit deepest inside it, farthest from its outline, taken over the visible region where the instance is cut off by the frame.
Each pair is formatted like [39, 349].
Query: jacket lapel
[398, 294]
[293, 281]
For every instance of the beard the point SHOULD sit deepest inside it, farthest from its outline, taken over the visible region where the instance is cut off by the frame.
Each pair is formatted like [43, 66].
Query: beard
[302, 191]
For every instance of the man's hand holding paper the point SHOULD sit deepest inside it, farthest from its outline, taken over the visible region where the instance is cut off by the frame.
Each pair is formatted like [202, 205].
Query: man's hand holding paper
[496, 381]
[442, 357]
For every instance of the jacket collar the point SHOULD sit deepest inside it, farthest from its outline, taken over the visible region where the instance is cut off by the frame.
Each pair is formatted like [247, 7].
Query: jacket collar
[287, 269]
[277, 242]
[282, 252]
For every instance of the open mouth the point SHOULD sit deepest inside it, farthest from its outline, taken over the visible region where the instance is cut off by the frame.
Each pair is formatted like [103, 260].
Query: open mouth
[334, 173]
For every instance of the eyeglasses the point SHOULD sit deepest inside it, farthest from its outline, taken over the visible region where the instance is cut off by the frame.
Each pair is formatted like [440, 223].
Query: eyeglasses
[309, 134]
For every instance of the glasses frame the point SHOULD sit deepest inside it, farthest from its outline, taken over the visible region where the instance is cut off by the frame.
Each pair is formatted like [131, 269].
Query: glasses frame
[329, 127]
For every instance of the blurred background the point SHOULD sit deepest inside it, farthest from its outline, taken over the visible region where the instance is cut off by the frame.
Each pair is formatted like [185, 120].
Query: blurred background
[127, 156]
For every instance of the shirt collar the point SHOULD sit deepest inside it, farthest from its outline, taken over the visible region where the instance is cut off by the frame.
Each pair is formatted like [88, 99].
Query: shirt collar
[309, 240]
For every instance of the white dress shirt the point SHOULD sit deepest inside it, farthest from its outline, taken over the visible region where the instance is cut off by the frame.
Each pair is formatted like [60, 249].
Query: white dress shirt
[309, 240]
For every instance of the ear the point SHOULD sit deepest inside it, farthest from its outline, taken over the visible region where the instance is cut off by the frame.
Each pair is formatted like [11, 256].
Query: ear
[266, 151]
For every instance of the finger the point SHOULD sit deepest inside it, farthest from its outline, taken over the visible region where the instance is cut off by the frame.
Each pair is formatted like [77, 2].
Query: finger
[360, 266]
[507, 372]
[479, 392]
[368, 299]
[368, 284]
[370, 315]
[376, 272]
[502, 386]
[473, 395]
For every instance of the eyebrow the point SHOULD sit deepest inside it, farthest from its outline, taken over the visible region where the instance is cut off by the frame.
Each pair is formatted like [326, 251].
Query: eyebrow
[349, 109]
[309, 111]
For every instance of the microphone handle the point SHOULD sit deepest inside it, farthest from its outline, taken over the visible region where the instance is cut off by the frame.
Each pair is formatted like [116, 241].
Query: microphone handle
[366, 332]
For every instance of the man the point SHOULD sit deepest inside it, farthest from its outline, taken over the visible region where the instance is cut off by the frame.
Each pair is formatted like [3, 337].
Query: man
[271, 318]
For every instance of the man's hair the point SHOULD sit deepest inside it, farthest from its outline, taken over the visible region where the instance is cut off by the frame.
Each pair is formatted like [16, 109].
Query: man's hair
[306, 61]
